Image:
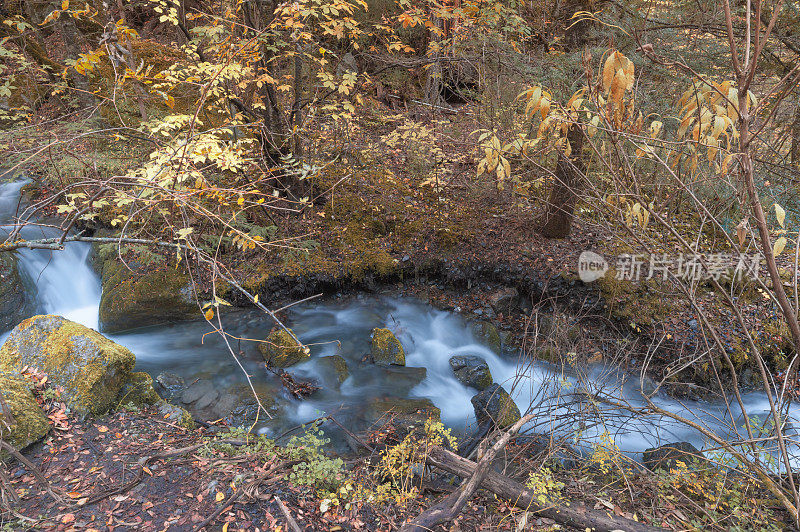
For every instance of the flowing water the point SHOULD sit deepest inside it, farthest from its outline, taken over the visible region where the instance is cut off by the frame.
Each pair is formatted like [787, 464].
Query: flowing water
[67, 285]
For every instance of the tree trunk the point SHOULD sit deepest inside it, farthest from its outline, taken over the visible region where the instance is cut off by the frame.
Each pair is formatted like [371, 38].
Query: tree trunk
[795, 151]
[77, 80]
[567, 513]
[557, 219]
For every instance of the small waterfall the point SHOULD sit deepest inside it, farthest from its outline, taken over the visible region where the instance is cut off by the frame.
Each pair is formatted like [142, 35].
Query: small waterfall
[64, 280]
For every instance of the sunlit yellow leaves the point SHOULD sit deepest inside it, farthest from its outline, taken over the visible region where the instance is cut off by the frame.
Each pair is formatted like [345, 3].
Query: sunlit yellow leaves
[780, 214]
[779, 246]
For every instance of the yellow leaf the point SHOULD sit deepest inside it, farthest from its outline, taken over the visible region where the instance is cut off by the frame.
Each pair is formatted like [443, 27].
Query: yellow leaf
[780, 214]
[225, 527]
[780, 244]
[209, 314]
[64, 5]
[220, 496]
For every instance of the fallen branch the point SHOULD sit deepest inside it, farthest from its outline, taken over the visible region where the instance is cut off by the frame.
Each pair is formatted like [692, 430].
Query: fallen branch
[293, 526]
[572, 514]
[449, 507]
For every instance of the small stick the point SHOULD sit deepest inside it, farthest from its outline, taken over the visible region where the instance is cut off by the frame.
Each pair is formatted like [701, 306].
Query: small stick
[289, 519]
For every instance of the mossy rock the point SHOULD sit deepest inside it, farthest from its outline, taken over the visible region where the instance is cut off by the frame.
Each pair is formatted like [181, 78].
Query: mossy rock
[472, 371]
[495, 405]
[138, 391]
[28, 422]
[281, 350]
[141, 298]
[16, 303]
[88, 366]
[487, 332]
[387, 349]
[642, 302]
[175, 414]
[333, 369]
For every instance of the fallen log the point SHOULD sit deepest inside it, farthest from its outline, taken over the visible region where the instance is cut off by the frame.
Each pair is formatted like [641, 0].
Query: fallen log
[565, 513]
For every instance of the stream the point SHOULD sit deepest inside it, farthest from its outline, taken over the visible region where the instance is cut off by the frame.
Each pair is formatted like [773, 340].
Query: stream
[67, 285]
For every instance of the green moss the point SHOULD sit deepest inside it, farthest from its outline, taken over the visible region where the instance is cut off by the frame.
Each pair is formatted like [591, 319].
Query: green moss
[488, 333]
[639, 302]
[89, 367]
[334, 368]
[27, 422]
[281, 350]
[138, 391]
[387, 349]
[136, 299]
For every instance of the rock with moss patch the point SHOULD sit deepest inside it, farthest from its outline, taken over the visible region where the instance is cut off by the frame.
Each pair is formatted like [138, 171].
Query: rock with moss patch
[486, 332]
[24, 422]
[494, 405]
[667, 457]
[138, 391]
[177, 415]
[472, 371]
[88, 366]
[333, 369]
[401, 416]
[16, 303]
[387, 349]
[281, 350]
[144, 297]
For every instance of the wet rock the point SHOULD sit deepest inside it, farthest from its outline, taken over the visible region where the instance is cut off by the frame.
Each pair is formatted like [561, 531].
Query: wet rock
[281, 350]
[24, 422]
[138, 391]
[245, 409]
[198, 390]
[667, 456]
[175, 414]
[401, 379]
[487, 333]
[472, 371]
[386, 348]
[16, 302]
[333, 369]
[169, 385]
[88, 366]
[494, 404]
[402, 416]
[144, 296]
[505, 301]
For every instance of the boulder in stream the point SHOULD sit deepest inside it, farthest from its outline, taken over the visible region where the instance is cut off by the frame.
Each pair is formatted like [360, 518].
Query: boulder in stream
[487, 332]
[387, 349]
[89, 367]
[495, 405]
[402, 415]
[24, 422]
[138, 391]
[16, 303]
[144, 296]
[472, 371]
[667, 456]
[169, 385]
[280, 350]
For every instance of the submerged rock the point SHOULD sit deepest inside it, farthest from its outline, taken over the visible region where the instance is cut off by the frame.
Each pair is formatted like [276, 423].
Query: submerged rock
[24, 422]
[281, 350]
[667, 456]
[387, 349]
[88, 366]
[401, 379]
[403, 416]
[138, 391]
[472, 371]
[333, 369]
[237, 405]
[16, 303]
[495, 405]
[140, 298]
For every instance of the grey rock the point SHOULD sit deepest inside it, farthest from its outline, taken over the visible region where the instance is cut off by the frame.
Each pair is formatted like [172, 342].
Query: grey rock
[169, 385]
[494, 405]
[206, 399]
[472, 371]
[667, 456]
[505, 301]
[197, 390]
